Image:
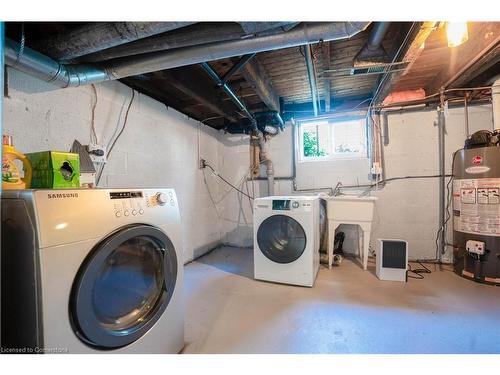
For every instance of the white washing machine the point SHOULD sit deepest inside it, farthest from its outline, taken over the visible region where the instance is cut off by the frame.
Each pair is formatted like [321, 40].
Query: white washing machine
[287, 239]
[92, 271]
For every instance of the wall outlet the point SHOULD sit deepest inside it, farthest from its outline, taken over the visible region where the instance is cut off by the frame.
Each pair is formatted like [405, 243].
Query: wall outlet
[376, 168]
[97, 152]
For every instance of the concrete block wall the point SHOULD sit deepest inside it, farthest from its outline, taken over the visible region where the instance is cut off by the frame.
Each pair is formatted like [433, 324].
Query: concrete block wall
[406, 209]
[158, 148]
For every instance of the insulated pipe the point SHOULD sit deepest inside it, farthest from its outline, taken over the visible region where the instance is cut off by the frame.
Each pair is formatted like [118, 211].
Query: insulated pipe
[311, 75]
[46, 69]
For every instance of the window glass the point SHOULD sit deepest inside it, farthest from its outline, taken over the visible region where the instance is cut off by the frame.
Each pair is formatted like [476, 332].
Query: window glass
[328, 140]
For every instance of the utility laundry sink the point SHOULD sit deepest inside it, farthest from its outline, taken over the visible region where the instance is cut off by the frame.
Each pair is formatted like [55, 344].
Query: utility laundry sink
[349, 209]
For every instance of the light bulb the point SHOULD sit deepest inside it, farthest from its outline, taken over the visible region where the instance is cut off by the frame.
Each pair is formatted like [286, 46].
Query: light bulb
[457, 33]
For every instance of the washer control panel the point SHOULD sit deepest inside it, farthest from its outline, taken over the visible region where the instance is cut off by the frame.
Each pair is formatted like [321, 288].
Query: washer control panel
[134, 203]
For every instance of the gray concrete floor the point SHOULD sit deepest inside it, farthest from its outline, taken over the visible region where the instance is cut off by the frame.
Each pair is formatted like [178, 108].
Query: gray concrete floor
[347, 311]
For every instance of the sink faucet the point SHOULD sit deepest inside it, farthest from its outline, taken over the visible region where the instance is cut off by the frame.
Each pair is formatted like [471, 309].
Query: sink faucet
[336, 190]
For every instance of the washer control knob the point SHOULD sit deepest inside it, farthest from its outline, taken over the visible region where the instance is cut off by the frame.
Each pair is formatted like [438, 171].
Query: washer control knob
[161, 198]
[295, 204]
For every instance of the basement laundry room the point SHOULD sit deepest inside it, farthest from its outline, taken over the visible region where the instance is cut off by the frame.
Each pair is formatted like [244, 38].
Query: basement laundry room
[222, 186]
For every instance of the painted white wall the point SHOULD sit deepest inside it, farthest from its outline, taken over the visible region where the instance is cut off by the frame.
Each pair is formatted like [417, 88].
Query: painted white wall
[158, 148]
[406, 209]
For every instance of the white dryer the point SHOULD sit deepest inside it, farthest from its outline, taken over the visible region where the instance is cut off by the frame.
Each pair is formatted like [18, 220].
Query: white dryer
[91, 271]
[287, 239]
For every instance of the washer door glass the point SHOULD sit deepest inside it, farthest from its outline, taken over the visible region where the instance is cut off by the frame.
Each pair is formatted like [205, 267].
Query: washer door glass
[281, 239]
[124, 287]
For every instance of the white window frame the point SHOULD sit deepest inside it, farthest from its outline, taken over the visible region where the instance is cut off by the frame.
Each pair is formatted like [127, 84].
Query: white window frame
[332, 155]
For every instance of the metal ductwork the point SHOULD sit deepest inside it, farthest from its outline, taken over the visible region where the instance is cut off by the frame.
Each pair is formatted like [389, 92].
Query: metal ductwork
[197, 34]
[303, 34]
[311, 75]
[97, 36]
[42, 67]
[373, 52]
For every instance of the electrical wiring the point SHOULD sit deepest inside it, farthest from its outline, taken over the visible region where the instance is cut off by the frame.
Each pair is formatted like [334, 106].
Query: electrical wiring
[227, 182]
[124, 123]
[418, 271]
[93, 135]
[113, 141]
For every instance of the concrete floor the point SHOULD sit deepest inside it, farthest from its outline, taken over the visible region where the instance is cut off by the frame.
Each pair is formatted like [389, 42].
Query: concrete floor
[347, 311]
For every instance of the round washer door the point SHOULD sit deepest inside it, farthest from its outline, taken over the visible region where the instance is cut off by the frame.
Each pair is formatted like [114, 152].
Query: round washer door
[123, 287]
[281, 239]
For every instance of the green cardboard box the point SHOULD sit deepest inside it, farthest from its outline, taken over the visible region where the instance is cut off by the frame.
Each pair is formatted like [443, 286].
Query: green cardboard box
[55, 170]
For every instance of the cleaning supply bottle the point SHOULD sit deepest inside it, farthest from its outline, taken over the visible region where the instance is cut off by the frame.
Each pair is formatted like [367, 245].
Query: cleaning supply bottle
[11, 178]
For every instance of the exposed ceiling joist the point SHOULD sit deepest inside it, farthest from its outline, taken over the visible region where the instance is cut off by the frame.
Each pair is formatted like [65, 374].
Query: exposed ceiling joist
[96, 36]
[189, 81]
[482, 40]
[200, 33]
[256, 75]
[410, 55]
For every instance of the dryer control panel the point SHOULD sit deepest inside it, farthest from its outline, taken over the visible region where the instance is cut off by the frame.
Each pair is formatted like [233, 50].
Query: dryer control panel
[133, 203]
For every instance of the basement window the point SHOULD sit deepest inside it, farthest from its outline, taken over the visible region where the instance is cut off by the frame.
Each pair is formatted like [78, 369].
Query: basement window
[332, 140]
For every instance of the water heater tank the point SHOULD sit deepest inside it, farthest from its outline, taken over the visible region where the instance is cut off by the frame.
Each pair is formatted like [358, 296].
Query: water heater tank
[476, 209]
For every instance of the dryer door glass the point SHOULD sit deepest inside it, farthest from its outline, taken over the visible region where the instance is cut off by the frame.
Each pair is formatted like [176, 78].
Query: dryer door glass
[281, 239]
[124, 287]
[129, 284]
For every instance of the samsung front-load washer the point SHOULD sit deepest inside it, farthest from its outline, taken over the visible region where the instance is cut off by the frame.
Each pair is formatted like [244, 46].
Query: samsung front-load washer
[287, 239]
[91, 271]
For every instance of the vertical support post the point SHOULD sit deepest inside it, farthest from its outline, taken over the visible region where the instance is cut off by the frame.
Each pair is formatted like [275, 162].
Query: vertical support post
[442, 182]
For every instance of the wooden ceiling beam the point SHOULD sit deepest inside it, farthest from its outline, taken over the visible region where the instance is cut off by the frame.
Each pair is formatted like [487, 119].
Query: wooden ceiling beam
[255, 74]
[195, 86]
[411, 54]
[483, 39]
[149, 88]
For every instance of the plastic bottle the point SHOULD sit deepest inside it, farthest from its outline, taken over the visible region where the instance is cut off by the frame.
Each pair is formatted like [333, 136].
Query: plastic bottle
[11, 178]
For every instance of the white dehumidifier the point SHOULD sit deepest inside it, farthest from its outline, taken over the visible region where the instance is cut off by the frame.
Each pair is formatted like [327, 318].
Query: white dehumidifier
[392, 260]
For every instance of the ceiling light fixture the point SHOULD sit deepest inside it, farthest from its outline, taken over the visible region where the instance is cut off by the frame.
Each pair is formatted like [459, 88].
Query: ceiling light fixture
[456, 33]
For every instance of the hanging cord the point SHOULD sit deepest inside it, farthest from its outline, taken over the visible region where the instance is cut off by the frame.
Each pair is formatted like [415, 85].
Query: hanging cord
[110, 148]
[227, 182]
[418, 271]
[93, 135]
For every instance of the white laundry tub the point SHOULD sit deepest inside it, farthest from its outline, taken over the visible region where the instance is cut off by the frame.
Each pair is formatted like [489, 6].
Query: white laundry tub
[347, 209]
[350, 208]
